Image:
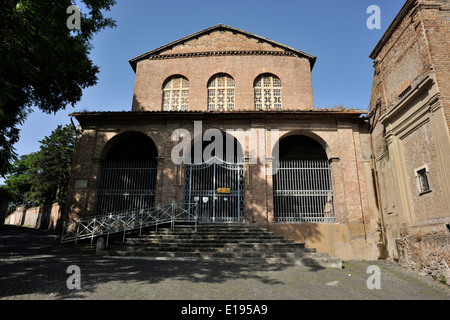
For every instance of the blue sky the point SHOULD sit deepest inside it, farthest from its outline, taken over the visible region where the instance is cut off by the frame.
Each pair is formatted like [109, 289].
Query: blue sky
[334, 31]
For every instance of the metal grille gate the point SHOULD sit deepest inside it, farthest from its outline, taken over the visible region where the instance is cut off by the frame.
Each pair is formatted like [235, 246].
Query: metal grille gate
[218, 187]
[303, 191]
[126, 185]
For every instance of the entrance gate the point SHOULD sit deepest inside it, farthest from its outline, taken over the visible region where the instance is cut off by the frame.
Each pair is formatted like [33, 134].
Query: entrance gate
[218, 187]
[126, 186]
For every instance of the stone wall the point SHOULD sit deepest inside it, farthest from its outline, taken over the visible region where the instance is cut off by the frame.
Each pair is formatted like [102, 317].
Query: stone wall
[46, 217]
[425, 248]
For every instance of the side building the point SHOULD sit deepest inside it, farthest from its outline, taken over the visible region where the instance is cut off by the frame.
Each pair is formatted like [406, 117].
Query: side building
[410, 119]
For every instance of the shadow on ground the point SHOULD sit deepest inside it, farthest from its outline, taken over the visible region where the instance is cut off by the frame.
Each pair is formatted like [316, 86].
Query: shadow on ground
[33, 262]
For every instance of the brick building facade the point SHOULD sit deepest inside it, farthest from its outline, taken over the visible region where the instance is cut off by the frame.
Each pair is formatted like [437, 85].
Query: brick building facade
[409, 116]
[259, 92]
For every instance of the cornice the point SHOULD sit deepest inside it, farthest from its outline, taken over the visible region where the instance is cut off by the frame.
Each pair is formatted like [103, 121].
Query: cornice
[220, 53]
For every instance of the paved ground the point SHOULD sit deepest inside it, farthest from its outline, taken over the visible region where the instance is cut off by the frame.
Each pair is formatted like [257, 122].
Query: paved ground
[33, 266]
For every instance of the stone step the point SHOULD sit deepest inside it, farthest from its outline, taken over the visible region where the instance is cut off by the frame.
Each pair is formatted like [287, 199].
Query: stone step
[226, 225]
[335, 263]
[212, 229]
[196, 241]
[211, 236]
[209, 230]
[218, 232]
[208, 248]
[213, 254]
[304, 259]
[236, 244]
[233, 242]
[199, 230]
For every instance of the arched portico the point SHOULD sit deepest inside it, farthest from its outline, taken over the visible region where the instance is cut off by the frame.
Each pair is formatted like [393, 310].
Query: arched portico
[214, 178]
[302, 181]
[128, 173]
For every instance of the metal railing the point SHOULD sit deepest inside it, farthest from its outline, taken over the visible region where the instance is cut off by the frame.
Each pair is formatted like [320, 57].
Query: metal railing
[133, 219]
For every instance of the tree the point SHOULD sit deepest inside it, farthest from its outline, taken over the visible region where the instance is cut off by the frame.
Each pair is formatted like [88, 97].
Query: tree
[42, 177]
[50, 174]
[43, 64]
[18, 183]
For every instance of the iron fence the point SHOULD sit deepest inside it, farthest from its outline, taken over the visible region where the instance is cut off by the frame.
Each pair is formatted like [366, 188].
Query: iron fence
[126, 185]
[303, 191]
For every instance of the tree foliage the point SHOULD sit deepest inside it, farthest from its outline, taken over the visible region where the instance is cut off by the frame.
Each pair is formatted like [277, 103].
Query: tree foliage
[42, 177]
[43, 64]
[50, 176]
[18, 181]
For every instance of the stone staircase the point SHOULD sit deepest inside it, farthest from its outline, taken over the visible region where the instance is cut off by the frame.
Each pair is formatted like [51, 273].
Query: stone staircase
[225, 242]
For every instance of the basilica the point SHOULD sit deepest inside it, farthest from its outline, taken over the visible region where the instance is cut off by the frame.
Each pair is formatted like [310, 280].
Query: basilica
[225, 118]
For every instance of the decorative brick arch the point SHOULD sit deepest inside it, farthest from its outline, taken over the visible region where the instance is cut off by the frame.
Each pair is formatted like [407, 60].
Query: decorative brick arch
[110, 143]
[240, 148]
[308, 134]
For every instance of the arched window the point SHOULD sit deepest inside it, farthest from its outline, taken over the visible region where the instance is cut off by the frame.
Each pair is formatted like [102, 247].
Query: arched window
[267, 92]
[221, 92]
[175, 94]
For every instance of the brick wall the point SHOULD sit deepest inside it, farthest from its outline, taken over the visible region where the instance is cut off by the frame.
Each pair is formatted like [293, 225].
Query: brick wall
[409, 111]
[416, 44]
[435, 19]
[293, 71]
[400, 60]
[246, 57]
[46, 217]
[339, 134]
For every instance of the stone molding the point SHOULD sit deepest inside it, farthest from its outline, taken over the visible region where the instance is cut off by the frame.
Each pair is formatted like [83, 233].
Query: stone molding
[221, 53]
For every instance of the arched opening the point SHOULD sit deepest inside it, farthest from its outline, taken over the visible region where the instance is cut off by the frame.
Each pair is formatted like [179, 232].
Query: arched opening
[267, 92]
[221, 91]
[215, 179]
[216, 143]
[302, 181]
[176, 94]
[128, 174]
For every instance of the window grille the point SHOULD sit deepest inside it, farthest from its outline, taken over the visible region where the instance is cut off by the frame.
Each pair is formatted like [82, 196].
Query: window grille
[267, 92]
[423, 180]
[221, 91]
[176, 94]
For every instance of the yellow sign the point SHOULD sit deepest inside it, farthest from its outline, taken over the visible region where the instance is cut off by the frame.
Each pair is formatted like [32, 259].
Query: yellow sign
[223, 190]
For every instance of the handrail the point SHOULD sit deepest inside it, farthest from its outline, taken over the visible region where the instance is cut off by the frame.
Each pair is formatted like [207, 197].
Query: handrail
[123, 221]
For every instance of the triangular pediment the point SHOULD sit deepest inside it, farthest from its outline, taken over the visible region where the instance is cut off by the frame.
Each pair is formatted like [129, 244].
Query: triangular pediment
[221, 39]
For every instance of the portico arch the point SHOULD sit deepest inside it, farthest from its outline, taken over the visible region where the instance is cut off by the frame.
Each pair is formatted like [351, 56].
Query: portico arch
[214, 178]
[128, 173]
[302, 181]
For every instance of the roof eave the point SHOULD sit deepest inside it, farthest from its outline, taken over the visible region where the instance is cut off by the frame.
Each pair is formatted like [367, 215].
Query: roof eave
[390, 30]
[133, 62]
